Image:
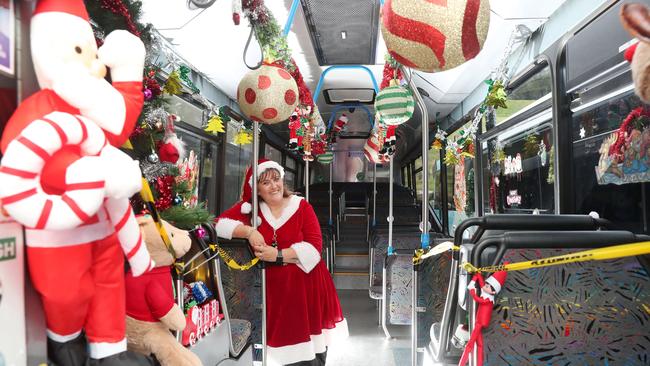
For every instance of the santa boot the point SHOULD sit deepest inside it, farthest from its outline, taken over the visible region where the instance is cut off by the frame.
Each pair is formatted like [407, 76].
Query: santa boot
[125, 358]
[72, 353]
[293, 143]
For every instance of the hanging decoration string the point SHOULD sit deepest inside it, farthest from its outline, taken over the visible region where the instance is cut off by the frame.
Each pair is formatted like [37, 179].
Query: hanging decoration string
[613, 252]
[248, 43]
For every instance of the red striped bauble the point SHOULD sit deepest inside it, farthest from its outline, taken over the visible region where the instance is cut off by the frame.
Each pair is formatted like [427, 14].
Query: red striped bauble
[434, 35]
[268, 94]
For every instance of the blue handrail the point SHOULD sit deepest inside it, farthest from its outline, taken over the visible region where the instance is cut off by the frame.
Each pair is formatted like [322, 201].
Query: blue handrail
[292, 14]
[343, 106]
[326, 71]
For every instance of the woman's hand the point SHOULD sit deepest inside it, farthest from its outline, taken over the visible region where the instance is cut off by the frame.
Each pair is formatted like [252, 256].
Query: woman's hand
[266, 253]
[256, 240]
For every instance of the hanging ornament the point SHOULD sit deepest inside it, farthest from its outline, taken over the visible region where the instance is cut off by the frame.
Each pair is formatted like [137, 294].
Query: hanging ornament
[268, 94]
[325, 158]
[178, 200]
[434, 35]
[200, 232]
[173, 84]
[168, 153]
[497, 96]
[542, 153]
[243, 137]
[236, 11]
[163, 186]
[215, 125]
[153, 158]
[394, 104]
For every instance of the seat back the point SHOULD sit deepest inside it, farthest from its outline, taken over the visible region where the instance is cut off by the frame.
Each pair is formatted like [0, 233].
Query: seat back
[585, 313]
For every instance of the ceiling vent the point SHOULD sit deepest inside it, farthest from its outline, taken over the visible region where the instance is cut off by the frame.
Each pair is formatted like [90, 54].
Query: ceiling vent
[343, 32]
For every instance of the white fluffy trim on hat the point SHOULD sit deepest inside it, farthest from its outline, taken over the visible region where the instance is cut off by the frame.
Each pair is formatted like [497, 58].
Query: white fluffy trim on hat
[246, 208]
[495, 284]
[262, 167]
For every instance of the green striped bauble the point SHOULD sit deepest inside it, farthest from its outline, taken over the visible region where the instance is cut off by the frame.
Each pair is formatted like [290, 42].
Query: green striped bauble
[395, 105]
[326, 157]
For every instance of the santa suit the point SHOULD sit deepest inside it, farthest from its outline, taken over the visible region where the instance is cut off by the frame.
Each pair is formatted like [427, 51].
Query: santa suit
[483, 315]
[75, 252]
[303, 313]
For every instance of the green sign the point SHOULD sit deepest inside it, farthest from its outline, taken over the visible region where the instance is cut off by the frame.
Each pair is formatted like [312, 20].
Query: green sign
[7, 249]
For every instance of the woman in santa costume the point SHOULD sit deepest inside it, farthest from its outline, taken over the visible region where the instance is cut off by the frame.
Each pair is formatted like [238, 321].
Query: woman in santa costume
[303, 311]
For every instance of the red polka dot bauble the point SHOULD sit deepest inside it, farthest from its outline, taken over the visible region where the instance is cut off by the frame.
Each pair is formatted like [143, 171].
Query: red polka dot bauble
[434, 35]
[268, 94]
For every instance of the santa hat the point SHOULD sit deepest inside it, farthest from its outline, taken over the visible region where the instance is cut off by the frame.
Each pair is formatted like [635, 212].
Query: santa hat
[72, 7]
[497, 280]
[247, 191]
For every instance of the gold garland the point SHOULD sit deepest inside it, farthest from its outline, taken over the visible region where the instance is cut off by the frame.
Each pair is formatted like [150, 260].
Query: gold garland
[231, 262]
[616, 251]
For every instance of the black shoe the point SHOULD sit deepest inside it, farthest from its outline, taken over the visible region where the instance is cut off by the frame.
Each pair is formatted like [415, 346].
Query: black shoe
[71, 353]
[125, 358]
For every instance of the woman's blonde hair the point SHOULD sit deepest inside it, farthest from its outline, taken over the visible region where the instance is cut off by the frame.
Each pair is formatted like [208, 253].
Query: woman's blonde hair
[272, 173]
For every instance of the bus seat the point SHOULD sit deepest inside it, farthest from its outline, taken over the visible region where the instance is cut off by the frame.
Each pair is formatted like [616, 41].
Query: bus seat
[584, 313]
[243, 297]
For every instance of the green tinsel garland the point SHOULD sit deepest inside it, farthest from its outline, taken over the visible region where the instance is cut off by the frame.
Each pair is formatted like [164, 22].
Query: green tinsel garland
[187, 218]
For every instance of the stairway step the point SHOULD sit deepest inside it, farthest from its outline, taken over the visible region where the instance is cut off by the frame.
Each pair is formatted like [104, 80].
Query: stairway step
[352, 249]
[344, 260]
[350, 280]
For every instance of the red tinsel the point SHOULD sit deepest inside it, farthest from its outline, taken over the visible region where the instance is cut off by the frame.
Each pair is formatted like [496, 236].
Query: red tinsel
[304, 94]
[256, 7]
[388, 75]
[626, 128]
[117, 7]
[163, 186]
[317, 147]
[152, 84]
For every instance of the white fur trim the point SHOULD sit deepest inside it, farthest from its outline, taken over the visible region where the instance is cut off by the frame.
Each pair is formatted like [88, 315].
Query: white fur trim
[485, 295]
[307, 255]
[104, 349]
[62, 338]
[62, 238]
[495, 284]
[226, 226]
[307, 350]
[246, 208]
[124, 54]
[287, 212]
[262, 167]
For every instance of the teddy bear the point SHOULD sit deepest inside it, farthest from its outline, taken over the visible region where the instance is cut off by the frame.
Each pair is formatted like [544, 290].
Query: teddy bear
[635, 18]
[64, 178]
[150, 306]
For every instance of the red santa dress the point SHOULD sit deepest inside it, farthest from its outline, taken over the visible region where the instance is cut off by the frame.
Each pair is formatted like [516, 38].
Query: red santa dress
[303, 311]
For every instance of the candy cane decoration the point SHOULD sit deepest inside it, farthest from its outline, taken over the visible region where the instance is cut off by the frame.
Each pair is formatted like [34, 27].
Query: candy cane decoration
[24, 199]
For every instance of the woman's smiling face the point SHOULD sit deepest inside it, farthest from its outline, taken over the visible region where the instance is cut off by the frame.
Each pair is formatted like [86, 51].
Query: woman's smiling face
[270, 187]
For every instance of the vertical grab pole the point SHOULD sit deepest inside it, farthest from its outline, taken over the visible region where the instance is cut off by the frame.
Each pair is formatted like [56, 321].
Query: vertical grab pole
[425, 208]
[330, 192]
[256, 153]
[307, 180]
[390, 206]
[374, 195]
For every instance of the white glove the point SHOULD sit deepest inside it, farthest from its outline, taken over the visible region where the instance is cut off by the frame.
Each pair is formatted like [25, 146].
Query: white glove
[124, 54]
[123, 176]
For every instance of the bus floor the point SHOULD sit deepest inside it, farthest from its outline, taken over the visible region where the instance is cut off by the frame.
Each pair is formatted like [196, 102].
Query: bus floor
[367, 345]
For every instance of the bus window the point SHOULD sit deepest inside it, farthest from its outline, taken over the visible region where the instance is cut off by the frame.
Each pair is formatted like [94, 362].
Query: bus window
[238, 157]
[272, 153]
[435, 189]
[519, 178]
[625, 204]
[460, 188]
[205, 152]
[533, 89]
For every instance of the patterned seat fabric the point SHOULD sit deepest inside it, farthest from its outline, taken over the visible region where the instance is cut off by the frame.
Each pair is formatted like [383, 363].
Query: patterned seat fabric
[590, 313]
[241, 332]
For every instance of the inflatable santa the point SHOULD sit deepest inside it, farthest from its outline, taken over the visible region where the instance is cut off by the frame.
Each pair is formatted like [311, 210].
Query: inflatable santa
[63, 177]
